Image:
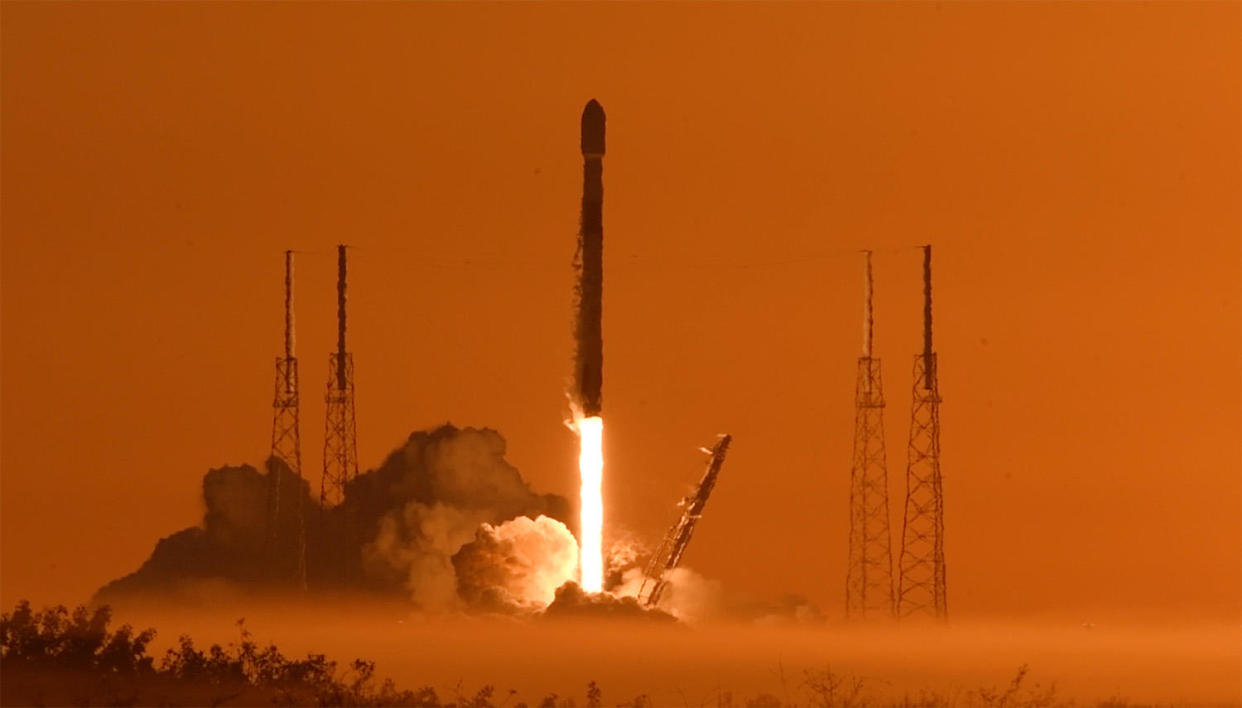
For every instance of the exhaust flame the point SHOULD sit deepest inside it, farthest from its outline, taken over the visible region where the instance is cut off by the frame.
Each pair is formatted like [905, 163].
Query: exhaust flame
[591, 470]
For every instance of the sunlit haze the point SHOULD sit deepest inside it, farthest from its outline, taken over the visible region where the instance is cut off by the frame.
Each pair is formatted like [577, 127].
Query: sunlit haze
[961, 282]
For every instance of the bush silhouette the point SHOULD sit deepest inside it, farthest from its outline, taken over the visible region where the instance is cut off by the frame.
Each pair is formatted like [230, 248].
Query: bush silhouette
[57, 657]
[53, 656]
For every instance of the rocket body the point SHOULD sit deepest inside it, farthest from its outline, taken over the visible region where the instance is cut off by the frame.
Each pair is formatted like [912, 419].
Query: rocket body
[590, 340]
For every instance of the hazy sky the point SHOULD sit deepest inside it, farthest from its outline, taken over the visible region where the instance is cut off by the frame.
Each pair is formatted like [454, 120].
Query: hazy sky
[1075, 165]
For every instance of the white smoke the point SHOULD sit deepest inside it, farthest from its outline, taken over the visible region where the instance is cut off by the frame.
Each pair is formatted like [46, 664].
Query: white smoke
[625, 553]
[631, 581]
[692, 598]
[419, 543]
[688, 596]
[516, 565]
[695, 599]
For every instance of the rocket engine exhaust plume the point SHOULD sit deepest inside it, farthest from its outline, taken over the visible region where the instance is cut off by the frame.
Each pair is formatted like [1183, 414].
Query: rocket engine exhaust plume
[589, 358]
[591, 468]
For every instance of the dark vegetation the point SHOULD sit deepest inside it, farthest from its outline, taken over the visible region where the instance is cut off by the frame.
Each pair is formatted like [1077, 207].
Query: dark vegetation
[54, 657]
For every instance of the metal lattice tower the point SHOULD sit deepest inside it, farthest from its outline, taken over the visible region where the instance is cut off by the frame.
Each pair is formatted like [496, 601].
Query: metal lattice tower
[340, 440]
[286, 450]
[922, 574]
[869, 577]
[668, 556]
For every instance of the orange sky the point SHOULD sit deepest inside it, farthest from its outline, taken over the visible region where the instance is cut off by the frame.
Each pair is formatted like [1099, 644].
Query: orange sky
[1075, 165]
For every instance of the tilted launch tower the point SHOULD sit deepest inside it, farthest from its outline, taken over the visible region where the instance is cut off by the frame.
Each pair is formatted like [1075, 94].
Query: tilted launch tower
[669, 554]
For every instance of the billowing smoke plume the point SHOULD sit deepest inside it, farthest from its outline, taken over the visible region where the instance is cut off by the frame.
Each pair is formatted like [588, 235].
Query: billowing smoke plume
[445, 523]
[573, 603]
[517, 565]
[694, 599]
[395, 534]
[626, 553]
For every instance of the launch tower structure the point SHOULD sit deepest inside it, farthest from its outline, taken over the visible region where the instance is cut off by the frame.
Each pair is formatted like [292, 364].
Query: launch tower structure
[340, 435]
[668, 556]
[286, 447]
[921, 584]
[869, 577]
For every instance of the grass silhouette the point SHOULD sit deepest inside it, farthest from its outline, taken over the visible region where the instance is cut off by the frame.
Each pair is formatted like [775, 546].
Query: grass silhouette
[54, 657]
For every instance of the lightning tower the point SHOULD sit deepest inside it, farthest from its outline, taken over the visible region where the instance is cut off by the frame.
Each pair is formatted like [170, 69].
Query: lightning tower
[340, 435]
[668, 555]
[869, 577]
[921, 585]
[286, 450]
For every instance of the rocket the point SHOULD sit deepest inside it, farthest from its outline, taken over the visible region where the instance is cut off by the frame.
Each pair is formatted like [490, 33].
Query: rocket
[589, 363]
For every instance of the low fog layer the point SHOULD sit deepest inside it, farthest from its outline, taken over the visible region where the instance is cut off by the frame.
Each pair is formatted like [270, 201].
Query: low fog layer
[447, 569]
[695, 664]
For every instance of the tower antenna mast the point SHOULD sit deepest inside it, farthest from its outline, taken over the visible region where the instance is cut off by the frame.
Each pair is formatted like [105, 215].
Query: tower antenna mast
[286, 451]
[869, 576]
[340, 439]
[921, 584]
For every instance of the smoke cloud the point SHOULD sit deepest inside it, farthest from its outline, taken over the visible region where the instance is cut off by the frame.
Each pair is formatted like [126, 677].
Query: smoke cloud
[573, 603]
[517, 565]
[695, 599]
[444, 524]
[395, 535]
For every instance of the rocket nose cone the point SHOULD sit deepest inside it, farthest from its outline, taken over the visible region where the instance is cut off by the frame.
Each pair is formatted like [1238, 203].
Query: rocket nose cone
[593, 129]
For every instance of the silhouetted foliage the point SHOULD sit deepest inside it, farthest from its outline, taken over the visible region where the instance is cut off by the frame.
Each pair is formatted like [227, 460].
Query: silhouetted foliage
[594, 696]
[640, 701]
[58, 657]
[830, 690]
[53, 656]
[1015, 695]
[81, 640]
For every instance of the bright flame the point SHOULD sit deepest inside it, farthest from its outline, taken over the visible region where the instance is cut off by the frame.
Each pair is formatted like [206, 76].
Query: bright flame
[591, 469]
